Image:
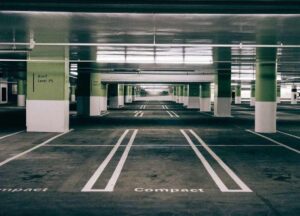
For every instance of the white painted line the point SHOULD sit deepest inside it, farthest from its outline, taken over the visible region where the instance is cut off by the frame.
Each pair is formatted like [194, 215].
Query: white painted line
[170, 114]
[141, 107]
[144, 107]
[205, 163]
[104, 114]
[274, 141]
[114, 178]
[238, 181]
[138, 113]
[135, 111]
[15, 133]
[175, 114]
[163, 106]
[291, 135]
[166, 107]
[98, 172]
[33, 148]
[141, 115]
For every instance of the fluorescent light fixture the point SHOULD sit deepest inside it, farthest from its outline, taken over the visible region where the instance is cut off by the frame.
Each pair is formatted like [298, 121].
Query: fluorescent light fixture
[74, 73]
[111, 58]
[140, 59]
[169, 59]
[189, 59]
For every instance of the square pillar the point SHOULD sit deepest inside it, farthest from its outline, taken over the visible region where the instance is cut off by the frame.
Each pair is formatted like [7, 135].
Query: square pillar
[128, 94]
[205, 92]
[47, 104]
[238, 99]
[21, 93]
[193, 96]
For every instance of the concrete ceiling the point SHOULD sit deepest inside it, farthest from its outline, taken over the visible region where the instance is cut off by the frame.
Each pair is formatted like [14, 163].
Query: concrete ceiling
[79, 30]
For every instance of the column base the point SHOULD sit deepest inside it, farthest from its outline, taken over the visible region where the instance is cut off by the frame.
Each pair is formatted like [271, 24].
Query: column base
[128, 99]
[265, 117]
[47, 116]
[278, 100]
[185, 101]
[193, 103]
[73, 98]
[252, 101]
[237, 100]
[205, 105]
[222, 107]
[21, 100]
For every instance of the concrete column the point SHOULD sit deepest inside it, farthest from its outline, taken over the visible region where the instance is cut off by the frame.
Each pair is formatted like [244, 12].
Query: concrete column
[21, 93]
[133, 93]
[185, 95]
[238, 98]
[116, 97]
[178, 92]
[265, 91]
[222, 101]
[205, 104]
[92, 94]
[193, 96]
[174, 94]
[294, 94]
[72, 95]
[252, 97]
[181, 93]
[278, 93]
[128, 94]
[3, 91]
[47, 104]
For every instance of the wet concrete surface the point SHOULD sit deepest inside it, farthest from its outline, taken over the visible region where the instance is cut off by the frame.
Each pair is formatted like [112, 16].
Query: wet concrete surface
[162, 172]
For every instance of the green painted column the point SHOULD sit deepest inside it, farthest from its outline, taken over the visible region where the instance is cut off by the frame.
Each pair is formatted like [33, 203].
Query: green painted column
[181, 93]
[252, 97]
[205, 94]
[178, 93]
[48, 89]
[185, 95]
[21, 88]
[73, 93]
[238, 91]
[222, 101]
[116, 96]
[265, 90]
[278, 92]
[128, 94]
[174, 93]
[193, 99]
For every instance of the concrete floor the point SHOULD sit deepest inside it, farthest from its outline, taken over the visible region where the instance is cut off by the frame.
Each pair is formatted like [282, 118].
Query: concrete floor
[157, 159]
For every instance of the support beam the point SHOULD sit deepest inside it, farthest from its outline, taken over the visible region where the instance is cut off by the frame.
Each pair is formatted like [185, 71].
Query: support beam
[294, 94]
[47, 104]
[222, 101]
[265, 91]
[193, 96]
[205, 92]
[21, 93]
[128, 94]
[116, 96]
[252, 97]
[238, 98]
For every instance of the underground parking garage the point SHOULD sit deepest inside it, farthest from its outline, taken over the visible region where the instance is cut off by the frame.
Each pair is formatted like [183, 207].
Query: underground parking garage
[150, 107]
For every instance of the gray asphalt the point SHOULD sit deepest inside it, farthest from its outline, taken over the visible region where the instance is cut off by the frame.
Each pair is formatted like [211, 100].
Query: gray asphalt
[162, 173]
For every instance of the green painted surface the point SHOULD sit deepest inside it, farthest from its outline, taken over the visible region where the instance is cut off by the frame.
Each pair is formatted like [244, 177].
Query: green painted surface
[182, 90]
[253, 90]
[83, 84]
[265, 75]
[120, 89]
[278, 92]
[113, 90]
[21, 87]
[175, 90]
[185, 90]
[238, 91]
[205, 91]
[128, 90]
[194, 90]
[96, 87]
[223, 84]
[48, 80]
[179, 90]
[222, 59]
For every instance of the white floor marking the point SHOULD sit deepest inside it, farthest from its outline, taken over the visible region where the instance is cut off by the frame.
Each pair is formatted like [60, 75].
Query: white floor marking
[238, 181]
[205, 163]
[274, 141]
[141, 107]
[170, 114]
[175, 114]
[135, 111]
[141, 115]
[89, 185]
[138, 113]
[291, 135]
[15, 133]
[153, 145]
[33, 148]
[114, 178]
[163, 106]
[166, 107]
[104, 114]
[144, 107]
